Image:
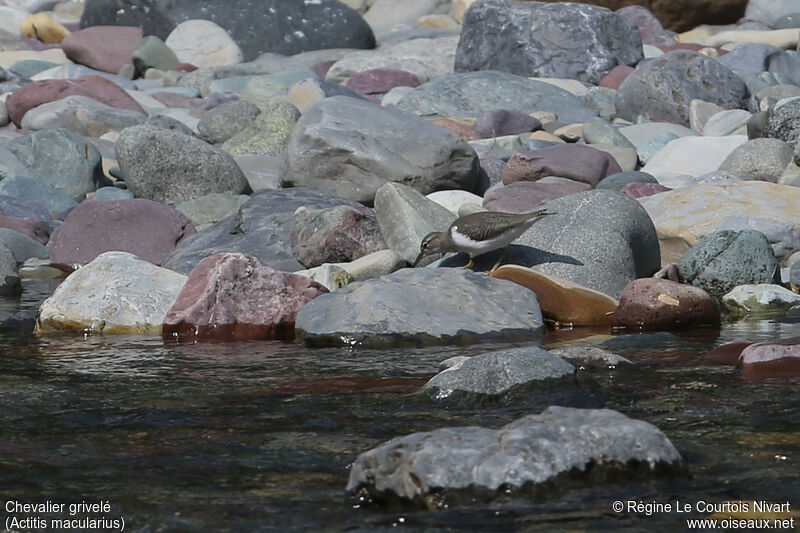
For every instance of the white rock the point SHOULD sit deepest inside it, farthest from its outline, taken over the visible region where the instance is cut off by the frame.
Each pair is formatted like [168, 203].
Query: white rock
[453, 200]
[204, 44]
[781, 38]
[116, 293]
[53, 55]
[692, 156]
[760, 298]
[727, 122]
[11, 19]
[386, 13]
[369, 266]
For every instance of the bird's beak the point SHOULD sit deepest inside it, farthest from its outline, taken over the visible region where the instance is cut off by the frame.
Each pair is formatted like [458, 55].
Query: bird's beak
[418, 259]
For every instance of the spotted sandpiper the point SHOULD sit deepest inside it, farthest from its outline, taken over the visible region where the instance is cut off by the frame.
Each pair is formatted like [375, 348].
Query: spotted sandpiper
[478, 233]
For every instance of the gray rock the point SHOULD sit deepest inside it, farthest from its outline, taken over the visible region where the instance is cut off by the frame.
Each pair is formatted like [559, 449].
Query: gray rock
[592, 357]
[769, 11]
[58, 157]
[461, 307]
[759, 159]
[498, 372]
[21, 246]
[257, 27]
[262, 90]
[211, 207]
[785, 66]
[599, 131]
[9, 277]
[784, 238]
[261, 171]
[23, 188]
[727, 122]
[752, 57]
[760, 299]
[166, 122]
[561, 445]
[268, 134]
[116, 293]
[81, 115]
[349, 148]
[226, 120]
[651, 147]
[784, 121]
[662, 88]
[576, 41]
[725, 259]
[105, 194]
[170, 167]
[616, 182]
[471, 94]
[405, 216]
[261, 228]
[650, 28]
[22, 208]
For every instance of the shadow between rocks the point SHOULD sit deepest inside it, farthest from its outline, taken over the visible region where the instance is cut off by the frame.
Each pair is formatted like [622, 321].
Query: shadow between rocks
[517, 254]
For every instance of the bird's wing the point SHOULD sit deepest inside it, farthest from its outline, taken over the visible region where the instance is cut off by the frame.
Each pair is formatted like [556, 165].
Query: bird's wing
[488, 224]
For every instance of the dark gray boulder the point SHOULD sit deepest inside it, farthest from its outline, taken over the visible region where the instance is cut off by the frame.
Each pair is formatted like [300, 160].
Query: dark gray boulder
[21, 246]
[472, 93]
[170, 167]
[661, 88]
[725, 259]
[558, 40]
[459, 307]
[257, 26]
[350, 147]
[563, 445]
[9, 278]
[497, 372]
[615, 182]
[261, 228]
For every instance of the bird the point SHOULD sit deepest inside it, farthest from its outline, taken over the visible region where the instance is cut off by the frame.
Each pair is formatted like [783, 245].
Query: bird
[478, 233]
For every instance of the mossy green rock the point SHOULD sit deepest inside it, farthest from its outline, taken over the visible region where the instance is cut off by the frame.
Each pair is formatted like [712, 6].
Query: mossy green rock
[269, 133]
[152, 52]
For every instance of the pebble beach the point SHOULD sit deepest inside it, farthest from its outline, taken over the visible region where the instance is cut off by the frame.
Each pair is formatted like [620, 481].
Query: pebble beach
[234, 193]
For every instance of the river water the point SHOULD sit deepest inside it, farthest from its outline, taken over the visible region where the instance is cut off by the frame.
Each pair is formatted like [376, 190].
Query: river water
[259, 436]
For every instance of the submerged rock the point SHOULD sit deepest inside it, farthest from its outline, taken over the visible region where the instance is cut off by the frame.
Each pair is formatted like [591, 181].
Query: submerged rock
[770, 360]
[562, 446]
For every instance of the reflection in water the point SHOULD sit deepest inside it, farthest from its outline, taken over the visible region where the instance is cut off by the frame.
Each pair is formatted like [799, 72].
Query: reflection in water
[257, 435]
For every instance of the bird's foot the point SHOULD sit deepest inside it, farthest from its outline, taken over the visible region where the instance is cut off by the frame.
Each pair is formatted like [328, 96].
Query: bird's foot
[499, 260]
[470, 264]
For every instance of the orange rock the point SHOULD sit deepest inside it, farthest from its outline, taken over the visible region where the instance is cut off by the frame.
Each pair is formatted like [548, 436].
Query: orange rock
[43, 28]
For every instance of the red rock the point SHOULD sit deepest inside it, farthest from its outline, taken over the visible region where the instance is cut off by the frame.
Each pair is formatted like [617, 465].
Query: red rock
[105, 48]
[41, 92]
[321, 69]
[499, 122]
[728, 353]
[660, 304]
[466, 132]
[770, 360]
[614, 79]
[31, 227]
[142, 227]
[523, 196]
[232, 296]
[574, 161]
[639, 189]
[380, 80]
[185, 67]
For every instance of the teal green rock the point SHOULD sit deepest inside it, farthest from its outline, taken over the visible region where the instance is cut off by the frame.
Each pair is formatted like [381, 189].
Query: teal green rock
[269, 133]
[152, 52]
[31, 67]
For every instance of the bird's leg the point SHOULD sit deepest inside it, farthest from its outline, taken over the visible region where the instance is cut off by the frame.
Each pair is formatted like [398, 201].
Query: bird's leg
[499, 260]
[470, 264]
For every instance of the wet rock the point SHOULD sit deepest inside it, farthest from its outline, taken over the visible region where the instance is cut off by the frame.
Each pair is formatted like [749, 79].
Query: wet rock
[268, 133]
[473, 93]
[261, 228]
[592, 358]
[170, 167]
[436, 468]
[23, 322]
[283, 28]
[21, 246]
[204, 44]
[770, 360]
[106, 48]
[663, 87]
[405, 216]
[760, 299]
[725, 259]
[576, 41]
[385, 311]
[57, 157]
[141, 227]
[233, 296]
[9, 278]
[226, 120]
[574, 161]
[334, 235]
[98, 88]
[82, 115]
[341, 163]
[661, 304]
[117, 293]
[727, 353]
[498, 372]
[29, 227]
[562, 301]
[759, 159]
[499, 122]
[52, 200]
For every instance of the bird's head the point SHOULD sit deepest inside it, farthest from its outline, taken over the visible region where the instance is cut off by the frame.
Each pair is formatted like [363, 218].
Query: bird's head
[433, 243]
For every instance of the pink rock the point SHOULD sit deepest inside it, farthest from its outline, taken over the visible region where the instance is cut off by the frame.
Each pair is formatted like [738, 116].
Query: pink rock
[499, 122]
[33, 228]
[41, 92]
[523, 196]
[639, 189]
[577, 162]
[661, 304]
[142, 227]
[185, 67]
[466, 133]
[614, 79]
[233, 296]
[770, 360]
[321, 69]
[728, 353]
[105, 48]
[380, 80]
